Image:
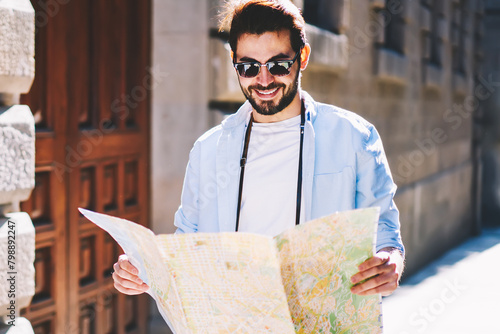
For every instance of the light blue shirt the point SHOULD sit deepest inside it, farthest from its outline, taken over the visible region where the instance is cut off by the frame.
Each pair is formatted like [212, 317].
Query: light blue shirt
[344, 168]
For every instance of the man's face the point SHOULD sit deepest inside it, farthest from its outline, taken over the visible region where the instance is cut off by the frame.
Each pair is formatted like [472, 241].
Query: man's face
[268, 94]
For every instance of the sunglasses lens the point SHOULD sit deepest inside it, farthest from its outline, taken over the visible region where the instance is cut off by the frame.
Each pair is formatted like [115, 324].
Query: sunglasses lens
[248, 70]
[279, 68]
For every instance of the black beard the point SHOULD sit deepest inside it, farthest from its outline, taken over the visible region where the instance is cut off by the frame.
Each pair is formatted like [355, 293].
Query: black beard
[268, 108]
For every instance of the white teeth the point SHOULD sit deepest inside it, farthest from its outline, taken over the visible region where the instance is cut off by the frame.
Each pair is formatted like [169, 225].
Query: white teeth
[267, 92]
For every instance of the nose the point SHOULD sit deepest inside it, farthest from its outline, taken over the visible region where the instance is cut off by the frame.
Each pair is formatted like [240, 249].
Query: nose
[264, 78]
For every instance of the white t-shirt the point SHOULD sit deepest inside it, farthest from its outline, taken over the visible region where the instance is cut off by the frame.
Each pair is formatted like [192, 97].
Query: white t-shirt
[268, 204]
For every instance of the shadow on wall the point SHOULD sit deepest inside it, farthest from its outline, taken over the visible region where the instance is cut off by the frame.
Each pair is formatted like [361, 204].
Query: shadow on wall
[491, 189]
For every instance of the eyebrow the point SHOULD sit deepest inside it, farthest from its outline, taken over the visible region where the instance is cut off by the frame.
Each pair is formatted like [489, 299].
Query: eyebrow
[277, 57]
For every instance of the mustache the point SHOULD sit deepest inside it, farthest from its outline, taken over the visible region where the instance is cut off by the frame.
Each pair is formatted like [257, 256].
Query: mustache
[271, 86]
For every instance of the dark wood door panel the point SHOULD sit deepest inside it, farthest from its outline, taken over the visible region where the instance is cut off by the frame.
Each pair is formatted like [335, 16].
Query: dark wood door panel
[45, 144]
[91, 108]
[47, 215]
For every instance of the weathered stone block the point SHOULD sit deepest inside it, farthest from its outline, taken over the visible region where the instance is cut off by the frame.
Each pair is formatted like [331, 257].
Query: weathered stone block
[17, 254]
[330, 51]
[443, 217]
[433, 76]
[224, 84]
[425, 19]
[454, 153]
[23, 326]
[377, 3]
[392, 66]
[17, 46]
[17, 153]
[442, 29]
[414, 165]
[180, 16]
[460, 84]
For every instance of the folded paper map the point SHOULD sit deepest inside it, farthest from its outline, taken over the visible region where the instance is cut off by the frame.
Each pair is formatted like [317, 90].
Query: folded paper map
[296, 282]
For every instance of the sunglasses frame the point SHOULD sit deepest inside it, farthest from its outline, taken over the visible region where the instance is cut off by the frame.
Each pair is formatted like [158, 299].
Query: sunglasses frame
[269, 65]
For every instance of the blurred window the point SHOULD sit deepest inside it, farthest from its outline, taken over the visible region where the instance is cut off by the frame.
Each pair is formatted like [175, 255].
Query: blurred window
[458, 32]
[394, 23]
[478, 38]
[432, 41]
[325, 14]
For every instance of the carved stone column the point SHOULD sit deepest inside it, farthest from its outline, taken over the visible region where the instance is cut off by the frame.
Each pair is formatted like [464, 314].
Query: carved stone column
[17, 163]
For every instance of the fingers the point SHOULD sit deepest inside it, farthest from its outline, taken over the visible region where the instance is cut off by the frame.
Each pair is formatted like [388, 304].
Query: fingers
[374, 261]
[131, 291]
[126, 279]
[125, 269]
[124, 264]
[373, 271]
[375, 265]
[384, 284]
[377, 275]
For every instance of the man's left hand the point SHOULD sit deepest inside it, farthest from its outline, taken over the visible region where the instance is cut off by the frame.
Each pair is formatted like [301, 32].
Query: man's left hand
[381, 272]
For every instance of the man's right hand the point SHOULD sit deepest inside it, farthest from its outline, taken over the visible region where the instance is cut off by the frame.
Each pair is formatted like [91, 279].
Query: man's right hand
[126, 277]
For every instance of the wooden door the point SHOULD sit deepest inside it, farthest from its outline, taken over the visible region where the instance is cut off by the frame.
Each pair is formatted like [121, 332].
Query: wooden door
[90, 100]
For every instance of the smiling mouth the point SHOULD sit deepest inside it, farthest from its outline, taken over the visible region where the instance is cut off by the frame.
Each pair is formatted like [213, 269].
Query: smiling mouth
[267, 94]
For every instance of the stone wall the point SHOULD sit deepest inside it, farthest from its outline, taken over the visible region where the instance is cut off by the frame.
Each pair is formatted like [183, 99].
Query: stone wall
[179, 101]
[17, 163]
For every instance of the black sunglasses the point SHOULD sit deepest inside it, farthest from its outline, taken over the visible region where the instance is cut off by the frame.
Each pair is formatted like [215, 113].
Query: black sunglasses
[277, 68]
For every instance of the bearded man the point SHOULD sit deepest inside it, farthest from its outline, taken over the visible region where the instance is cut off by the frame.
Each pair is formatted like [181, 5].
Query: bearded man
[284, 159]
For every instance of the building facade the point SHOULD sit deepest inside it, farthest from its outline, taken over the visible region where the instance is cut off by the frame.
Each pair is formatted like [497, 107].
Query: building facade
[123, 89]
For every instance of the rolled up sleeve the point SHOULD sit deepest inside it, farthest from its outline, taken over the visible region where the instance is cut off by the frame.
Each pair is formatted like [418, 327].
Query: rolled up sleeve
[375, 187]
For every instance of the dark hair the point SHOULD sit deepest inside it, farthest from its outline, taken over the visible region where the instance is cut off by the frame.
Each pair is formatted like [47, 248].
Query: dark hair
[260, 16]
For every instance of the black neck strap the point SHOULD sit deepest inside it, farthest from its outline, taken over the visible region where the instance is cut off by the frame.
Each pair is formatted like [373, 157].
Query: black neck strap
[243, 162]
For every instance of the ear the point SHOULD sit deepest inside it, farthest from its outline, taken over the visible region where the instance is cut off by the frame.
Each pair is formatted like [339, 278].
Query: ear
[304, 56]
[232, 56]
